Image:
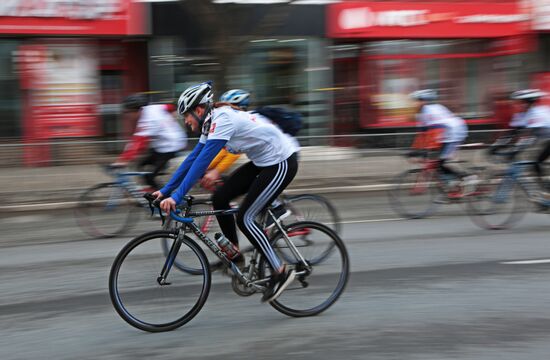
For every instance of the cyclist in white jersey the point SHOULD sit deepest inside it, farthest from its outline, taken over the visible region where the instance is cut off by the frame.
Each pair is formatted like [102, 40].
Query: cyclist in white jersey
[432, 115]
[273, 164]
[535, 119]
[156, 129]
[241, 98]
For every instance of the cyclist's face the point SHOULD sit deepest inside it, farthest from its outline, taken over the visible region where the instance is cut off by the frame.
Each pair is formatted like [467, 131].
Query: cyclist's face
[418, 105]
[522, 106]
[190, 119]
[131, 115]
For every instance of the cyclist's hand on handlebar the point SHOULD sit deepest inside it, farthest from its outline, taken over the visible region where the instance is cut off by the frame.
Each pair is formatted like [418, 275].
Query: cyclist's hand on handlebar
[168, 205]
[158, 195]
[210, 179]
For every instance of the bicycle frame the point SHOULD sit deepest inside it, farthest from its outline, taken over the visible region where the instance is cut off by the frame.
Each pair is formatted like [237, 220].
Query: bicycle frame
[428, 167]
[188, 222]
[514, 175]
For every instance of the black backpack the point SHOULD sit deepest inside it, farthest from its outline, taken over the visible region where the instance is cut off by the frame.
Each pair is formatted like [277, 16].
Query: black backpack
[288, 121]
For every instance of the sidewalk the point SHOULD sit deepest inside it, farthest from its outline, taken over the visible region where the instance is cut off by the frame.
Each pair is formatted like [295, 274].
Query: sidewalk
[322, 169]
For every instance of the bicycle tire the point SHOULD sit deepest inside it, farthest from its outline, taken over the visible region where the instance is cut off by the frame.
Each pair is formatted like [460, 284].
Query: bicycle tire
[487, 218]
[403, 183]
[281, 303]
[326, 213]
[96, 226]
[121, 306]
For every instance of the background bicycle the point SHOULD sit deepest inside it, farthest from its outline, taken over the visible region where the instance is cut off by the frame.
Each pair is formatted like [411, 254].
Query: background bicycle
[151, 295]
[506, 196]
[418, 192]
[110, 209]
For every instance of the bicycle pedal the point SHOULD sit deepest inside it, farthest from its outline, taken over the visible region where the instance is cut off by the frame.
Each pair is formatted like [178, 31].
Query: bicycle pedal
[241, 289]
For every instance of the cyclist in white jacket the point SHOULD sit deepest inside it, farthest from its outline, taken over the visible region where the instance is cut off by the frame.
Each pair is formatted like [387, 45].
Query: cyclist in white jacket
[432, 115]
[156, 130]
[535, 120]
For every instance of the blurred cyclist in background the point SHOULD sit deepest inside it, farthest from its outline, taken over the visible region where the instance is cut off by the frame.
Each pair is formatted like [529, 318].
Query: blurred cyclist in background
[432, 117]
[156, 129]
[224, 160]
[533, 119]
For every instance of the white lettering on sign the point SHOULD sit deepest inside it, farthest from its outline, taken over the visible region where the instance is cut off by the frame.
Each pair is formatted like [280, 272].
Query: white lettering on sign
[492, 18]
[356, 18]
[71, 9]
[363, 17]
[402, 18]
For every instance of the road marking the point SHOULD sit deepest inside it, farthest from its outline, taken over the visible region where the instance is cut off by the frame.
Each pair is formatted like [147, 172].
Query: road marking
[370, 220]
[526, 262]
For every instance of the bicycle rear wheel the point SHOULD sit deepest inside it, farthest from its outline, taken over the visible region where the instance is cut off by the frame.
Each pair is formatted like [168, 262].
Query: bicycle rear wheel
[414, 193]
[498, 203]
[106, 210]
[310, 207]
[144, 302]
[312, 293]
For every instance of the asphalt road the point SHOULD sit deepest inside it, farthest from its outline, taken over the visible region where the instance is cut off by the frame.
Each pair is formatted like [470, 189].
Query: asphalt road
[438, 288]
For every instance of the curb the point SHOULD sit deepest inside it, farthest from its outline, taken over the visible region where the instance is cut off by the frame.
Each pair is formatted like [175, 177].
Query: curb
[319, 190]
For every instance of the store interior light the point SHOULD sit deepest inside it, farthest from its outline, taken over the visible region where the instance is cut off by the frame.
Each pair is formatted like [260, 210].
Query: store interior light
[252, 2]
[262, 40]
[291, 40]
[318, 68]
[154, 1]
[315, 2]
[291, 2]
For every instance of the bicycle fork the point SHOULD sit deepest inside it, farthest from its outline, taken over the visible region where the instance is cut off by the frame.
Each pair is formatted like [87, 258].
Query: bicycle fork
[174, 249]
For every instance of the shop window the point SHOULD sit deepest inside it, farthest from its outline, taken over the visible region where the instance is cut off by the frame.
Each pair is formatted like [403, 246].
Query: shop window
[463, 71]
[346, 96]
[10, 106]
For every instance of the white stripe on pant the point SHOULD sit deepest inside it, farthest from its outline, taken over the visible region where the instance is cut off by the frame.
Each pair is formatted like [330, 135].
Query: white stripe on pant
[257, 206]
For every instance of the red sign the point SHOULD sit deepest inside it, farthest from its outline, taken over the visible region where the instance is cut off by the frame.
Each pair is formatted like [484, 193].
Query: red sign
[75, 17]
[61, 89]
[425, 20]
[542, 81]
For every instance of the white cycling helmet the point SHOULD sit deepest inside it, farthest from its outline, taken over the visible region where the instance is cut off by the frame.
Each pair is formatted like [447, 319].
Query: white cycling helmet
[237, 97]
[527, 95]
[194, 96]
[424, 95]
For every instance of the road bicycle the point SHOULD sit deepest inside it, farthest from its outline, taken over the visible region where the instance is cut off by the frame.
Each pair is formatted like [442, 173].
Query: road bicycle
[110, 209]
[417, 193]
[303, 207]
[151, 294]
[504, 198]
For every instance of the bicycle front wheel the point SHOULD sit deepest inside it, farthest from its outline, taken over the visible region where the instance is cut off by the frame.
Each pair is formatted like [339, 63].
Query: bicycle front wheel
[498, 203]
[106, 210]
[316, 290]
[414, 193]
[142, 299]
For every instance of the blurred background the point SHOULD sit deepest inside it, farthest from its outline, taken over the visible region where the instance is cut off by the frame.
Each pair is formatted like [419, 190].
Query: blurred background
[346, 66]
[431, 289]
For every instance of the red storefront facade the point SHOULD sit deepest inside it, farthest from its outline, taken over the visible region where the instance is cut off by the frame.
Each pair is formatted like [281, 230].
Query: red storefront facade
[74, 61]
[471, 52]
